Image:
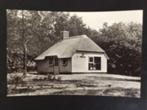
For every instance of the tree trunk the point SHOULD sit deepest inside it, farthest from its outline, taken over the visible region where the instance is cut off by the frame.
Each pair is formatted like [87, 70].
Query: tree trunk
[24, 47]
[25, 59]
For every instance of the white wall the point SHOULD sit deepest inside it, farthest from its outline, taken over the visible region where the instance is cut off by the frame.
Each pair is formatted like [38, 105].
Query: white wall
[80, 64]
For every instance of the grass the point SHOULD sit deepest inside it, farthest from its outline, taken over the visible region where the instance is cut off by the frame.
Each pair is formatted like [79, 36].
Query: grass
[75, 84]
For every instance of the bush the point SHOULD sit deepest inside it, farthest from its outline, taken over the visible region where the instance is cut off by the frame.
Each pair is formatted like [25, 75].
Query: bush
[53, 77]
[16, 80]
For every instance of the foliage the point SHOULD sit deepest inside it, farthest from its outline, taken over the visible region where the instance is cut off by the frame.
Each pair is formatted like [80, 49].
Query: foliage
[122, 42]
[53, 78]
[16, 80]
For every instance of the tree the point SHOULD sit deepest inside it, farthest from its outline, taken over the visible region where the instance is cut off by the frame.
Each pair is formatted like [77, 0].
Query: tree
[38, 30]
[122, 43]
[24, 45]
[76, 25]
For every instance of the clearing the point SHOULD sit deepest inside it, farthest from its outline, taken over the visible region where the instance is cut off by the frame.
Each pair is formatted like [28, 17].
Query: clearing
[74, 84]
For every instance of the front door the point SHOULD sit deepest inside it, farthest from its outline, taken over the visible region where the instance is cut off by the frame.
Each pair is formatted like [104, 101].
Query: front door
[56, 65]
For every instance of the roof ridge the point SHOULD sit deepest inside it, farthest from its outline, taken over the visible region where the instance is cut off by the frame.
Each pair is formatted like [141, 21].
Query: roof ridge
[77, 36]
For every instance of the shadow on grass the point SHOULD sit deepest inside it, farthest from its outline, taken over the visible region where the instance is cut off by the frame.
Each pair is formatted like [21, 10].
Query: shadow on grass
[101, 92]
[22, 90]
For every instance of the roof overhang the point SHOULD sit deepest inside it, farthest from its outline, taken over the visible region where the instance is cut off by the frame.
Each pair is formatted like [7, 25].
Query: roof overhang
[94, 52]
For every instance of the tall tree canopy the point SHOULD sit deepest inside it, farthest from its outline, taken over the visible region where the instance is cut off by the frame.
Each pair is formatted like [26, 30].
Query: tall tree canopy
[122, 42]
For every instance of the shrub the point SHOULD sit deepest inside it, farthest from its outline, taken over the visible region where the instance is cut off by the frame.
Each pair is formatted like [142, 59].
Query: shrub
[16, 80]
[54, 77]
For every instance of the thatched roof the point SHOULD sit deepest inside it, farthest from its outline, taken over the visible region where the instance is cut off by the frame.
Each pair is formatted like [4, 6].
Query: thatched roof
[67, 47]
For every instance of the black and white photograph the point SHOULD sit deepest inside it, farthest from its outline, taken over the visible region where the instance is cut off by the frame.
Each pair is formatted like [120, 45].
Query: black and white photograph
[97, 53]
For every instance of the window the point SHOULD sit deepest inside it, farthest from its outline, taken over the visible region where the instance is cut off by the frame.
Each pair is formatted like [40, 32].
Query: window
[90, 59]
[56, 61]
[65, 61]
[91, 66]
[50, 60]
[94, 63]
[97, 61]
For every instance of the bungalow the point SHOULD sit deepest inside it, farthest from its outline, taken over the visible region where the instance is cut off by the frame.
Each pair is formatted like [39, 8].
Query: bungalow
[76, 54]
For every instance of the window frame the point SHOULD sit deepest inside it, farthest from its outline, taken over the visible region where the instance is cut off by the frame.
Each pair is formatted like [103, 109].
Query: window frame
[92, 63]
[65, 61]
[56, 61]
[51, 61]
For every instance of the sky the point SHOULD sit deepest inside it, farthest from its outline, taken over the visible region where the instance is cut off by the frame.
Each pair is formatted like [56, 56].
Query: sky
[95, 20]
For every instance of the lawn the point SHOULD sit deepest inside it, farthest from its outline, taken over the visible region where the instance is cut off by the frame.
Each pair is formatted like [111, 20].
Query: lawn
[73, 84]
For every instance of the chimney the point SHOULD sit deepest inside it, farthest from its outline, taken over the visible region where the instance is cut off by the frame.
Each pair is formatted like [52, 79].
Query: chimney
[65, 34]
